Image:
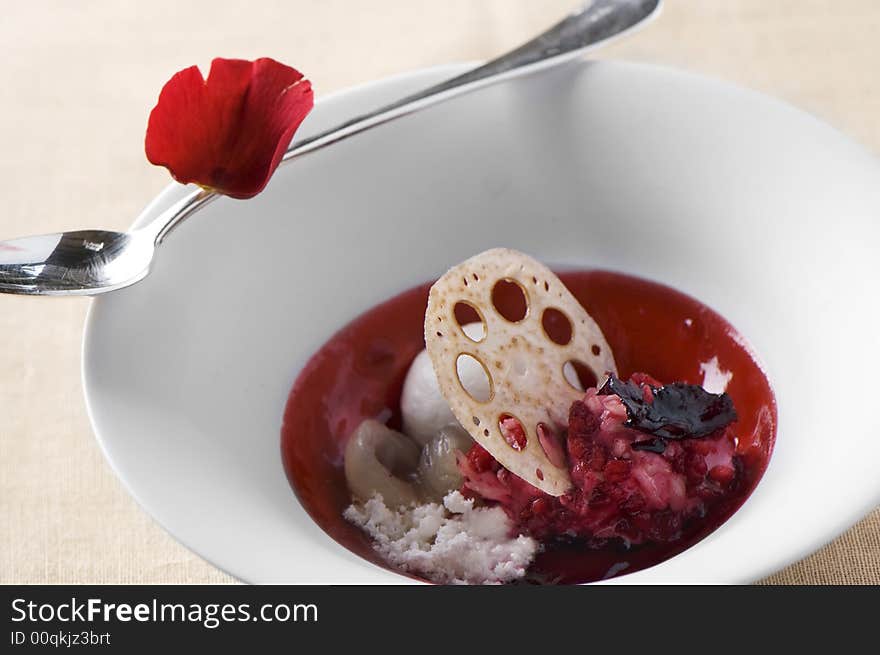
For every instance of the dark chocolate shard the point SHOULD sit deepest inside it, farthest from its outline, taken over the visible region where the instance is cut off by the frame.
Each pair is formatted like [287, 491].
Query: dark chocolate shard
[654, 445]
[676, 411]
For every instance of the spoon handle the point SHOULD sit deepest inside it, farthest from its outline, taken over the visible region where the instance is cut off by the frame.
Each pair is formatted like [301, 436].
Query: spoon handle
[589, 25]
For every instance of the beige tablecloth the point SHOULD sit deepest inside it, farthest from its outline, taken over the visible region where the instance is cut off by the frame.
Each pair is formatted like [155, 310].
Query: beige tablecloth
[77, 80]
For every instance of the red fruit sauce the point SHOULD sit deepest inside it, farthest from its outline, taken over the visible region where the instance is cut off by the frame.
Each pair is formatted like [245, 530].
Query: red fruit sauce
[359, 374]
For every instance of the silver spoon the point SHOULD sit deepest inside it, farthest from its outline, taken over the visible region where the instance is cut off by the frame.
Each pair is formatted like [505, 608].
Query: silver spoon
[90, 262]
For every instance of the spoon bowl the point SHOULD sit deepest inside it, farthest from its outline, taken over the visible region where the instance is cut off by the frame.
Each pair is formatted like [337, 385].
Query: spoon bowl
[70, 263]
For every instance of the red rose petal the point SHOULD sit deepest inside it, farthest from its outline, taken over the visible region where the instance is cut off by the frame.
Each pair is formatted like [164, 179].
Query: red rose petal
[230, 131]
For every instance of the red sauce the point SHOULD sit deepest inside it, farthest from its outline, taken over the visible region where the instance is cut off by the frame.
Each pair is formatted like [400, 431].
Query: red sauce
[359, 374]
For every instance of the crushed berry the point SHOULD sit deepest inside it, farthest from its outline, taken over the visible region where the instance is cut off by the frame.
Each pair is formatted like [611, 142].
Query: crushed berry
[617, 470]
[621, 492]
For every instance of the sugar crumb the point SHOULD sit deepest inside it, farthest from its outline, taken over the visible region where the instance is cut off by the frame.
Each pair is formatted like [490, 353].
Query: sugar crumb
[449, 543]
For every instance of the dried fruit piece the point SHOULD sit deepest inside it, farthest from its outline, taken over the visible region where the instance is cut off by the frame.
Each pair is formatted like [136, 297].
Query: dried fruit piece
[524, 365]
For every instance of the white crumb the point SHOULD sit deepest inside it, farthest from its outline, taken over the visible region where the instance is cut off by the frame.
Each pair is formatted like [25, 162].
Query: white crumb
[715, 378]
[452, 543]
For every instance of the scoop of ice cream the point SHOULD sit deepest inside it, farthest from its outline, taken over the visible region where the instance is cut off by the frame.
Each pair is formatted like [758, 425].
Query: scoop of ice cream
[422, 405]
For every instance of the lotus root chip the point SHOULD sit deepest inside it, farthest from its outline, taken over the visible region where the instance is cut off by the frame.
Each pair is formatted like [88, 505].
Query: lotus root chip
[525, 367]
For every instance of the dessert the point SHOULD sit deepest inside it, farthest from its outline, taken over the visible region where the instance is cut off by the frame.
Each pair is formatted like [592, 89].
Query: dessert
[505, 424]
[575, 427]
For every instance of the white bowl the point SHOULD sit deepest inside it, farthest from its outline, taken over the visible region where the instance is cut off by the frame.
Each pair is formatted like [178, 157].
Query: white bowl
[755, 208]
